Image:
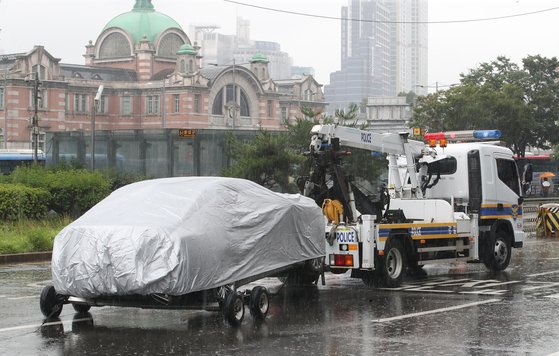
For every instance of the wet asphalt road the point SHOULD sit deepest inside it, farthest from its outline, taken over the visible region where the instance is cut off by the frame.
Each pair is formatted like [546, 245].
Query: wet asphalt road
[456, 310]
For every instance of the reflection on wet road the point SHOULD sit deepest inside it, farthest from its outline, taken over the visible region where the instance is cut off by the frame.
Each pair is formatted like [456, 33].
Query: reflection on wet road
[456, 310]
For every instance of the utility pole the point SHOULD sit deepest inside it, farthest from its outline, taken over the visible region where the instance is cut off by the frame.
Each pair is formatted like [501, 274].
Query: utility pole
[35, 120]
[95, 104]
[163, 113]
[234, 96]
[5, 108]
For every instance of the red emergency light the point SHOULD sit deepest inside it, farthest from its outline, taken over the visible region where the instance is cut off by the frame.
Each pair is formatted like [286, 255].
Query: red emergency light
[468, 135]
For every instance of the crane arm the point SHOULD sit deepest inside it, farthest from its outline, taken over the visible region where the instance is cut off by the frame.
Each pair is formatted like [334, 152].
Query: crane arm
[391, 143]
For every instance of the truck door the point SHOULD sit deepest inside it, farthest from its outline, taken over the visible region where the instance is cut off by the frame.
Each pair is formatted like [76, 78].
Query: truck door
[508, 187]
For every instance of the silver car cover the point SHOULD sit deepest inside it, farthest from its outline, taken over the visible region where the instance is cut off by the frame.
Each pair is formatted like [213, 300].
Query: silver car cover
[181, 235]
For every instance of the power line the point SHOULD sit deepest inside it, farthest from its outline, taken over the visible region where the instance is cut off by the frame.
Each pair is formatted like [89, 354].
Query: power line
[392, 22]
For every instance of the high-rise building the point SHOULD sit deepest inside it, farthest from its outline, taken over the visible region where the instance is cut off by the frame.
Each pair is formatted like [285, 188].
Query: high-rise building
[224, 49]
[383, 51]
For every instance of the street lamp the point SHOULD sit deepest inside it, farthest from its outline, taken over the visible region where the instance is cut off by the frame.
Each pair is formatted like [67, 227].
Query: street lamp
[436, 86]
[35, 120]
[95, 104]
[5, 95]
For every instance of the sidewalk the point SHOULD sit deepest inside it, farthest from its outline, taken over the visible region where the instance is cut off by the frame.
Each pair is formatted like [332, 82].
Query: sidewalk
[26, 257]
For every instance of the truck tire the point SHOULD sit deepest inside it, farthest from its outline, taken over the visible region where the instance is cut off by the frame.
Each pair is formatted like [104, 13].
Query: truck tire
[498, 251]
[392, 263]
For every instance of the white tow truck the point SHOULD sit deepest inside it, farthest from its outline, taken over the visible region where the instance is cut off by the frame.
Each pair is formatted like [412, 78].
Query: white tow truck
[443, 203]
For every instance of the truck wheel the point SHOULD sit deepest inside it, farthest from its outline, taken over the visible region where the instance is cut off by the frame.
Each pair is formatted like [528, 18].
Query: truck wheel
[392, 264]
[81, 308]
[498, 253]
[50, 303]
[259, 303]
[234, 309]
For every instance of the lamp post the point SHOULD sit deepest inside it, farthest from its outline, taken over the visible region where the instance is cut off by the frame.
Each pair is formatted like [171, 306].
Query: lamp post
[35, 121]
[5, 108]
[95, 104]
[163, 118]
[234, 98]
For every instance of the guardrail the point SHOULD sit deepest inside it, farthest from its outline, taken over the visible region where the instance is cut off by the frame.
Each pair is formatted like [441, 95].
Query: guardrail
[530, 210]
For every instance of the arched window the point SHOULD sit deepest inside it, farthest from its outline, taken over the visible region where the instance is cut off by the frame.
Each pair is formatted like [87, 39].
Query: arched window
[169, 45]
[190, 66]
[263, 74]
[219, 103]
[115, 45]
[183, 66]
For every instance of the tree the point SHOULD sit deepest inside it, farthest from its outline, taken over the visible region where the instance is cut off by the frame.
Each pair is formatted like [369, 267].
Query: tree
[521, 102]
[266, 160]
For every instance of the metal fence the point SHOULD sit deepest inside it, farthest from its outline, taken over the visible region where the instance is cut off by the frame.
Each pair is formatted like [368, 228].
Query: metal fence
[153, 153]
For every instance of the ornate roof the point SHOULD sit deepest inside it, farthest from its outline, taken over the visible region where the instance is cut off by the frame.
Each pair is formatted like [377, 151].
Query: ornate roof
[142, 21]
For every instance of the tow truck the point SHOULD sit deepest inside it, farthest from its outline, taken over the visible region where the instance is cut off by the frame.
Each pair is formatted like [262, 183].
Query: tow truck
[444, 202]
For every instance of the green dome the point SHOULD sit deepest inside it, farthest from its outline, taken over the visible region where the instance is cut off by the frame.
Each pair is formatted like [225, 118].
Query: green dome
[142, 21]
[259, 57]
[186, 49]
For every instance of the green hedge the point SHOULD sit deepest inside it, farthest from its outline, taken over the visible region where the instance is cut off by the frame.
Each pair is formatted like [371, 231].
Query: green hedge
[19, 201]
[72, 192]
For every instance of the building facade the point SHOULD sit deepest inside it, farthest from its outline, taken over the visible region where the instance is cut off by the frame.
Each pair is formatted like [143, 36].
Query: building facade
[151, 78]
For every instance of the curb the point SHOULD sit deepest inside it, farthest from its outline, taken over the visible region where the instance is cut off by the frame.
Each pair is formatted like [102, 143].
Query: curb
[26, 257]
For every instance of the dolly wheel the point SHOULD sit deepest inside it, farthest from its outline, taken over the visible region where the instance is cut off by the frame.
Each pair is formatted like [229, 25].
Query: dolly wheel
[50, 303]
[259, 302]
[81, 308]
[234, 308]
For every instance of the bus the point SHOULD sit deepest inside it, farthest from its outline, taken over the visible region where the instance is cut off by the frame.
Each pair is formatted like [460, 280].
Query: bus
[539, 164]
[12, 158]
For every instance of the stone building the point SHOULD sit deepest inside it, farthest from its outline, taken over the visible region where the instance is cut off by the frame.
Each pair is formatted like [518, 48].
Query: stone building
[151, 78]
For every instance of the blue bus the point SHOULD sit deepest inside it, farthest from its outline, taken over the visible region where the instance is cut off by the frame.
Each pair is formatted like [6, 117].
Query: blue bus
[12, 158]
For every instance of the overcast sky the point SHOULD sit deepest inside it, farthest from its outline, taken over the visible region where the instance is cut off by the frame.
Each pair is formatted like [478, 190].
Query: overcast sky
[64, 27]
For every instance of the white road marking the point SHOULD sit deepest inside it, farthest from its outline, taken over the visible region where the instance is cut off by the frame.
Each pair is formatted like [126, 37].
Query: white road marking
[435, 311]
[474, 283]
[34, 326]
[556, 296]
[500, 284]
[40, 284]
[541, 286]
[26, 297]
[542, 274]
[487, 292]
[427, 289]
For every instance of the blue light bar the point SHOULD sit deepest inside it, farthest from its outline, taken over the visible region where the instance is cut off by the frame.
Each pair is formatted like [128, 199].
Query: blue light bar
[487, 134]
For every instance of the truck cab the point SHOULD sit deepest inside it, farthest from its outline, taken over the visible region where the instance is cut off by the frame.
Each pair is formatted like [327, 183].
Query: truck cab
[482, 179]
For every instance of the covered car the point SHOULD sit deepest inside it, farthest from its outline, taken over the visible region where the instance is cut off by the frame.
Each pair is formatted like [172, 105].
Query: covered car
[180, 235]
